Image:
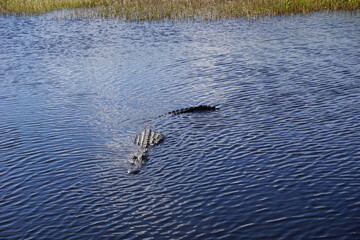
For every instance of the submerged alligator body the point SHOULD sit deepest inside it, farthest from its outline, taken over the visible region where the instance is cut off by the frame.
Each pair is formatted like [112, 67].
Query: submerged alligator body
[149, 138]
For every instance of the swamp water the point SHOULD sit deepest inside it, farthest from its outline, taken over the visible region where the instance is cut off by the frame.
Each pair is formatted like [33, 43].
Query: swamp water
[280, 160]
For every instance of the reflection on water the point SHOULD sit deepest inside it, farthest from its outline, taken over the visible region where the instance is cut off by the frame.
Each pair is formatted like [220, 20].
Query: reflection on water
[280, 160]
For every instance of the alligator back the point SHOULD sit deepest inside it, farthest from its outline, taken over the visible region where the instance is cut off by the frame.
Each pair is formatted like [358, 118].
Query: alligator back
[148, 138]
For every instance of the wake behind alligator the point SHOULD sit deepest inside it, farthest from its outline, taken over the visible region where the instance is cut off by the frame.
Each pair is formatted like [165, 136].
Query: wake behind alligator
[149, 138]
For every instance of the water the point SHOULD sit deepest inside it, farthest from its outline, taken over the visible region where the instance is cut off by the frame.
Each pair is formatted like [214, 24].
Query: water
[280, 160]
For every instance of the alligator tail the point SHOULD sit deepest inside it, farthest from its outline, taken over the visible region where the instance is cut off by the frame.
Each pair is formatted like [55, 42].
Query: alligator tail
[192, 109]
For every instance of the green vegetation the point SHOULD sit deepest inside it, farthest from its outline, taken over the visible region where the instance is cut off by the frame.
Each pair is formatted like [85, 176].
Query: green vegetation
[176, 9]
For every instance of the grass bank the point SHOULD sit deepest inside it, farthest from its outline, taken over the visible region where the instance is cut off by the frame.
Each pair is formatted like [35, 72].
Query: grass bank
[178, 9]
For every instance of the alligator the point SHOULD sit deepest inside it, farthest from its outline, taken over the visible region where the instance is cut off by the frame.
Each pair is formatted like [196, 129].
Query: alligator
[149, 138]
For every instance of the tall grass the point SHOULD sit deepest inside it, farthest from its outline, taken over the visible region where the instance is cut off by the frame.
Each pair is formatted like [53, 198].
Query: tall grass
[175, 9]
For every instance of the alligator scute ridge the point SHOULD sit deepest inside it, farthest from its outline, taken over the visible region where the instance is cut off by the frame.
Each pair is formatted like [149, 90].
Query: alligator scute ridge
[148, 138]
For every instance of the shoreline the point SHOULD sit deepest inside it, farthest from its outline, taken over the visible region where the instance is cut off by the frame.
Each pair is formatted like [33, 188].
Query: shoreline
[140, 10]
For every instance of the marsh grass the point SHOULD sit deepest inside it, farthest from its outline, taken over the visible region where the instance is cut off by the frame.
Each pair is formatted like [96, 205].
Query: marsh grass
[178, 9]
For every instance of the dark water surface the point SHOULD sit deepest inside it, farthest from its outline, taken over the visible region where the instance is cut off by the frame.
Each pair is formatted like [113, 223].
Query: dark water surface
[280, 160]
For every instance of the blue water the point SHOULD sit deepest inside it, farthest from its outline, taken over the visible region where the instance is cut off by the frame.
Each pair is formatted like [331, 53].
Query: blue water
[279, 160]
